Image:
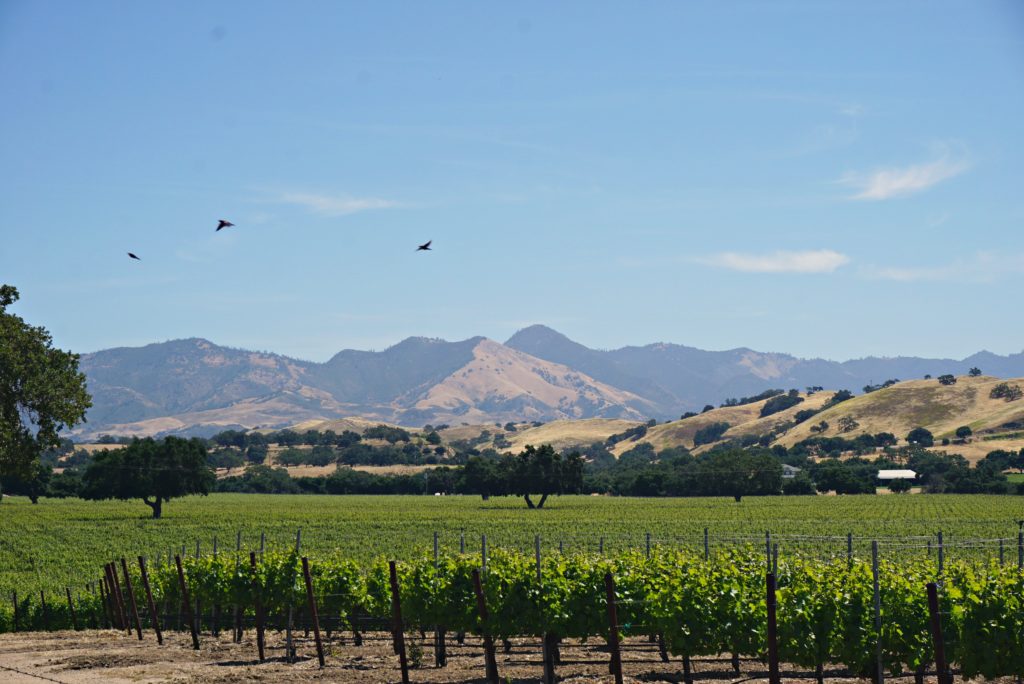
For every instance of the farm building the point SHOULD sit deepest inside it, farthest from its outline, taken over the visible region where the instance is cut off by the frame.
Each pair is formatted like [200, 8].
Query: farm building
[897, 475]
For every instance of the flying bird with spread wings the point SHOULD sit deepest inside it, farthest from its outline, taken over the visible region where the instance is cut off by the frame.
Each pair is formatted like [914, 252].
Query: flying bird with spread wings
[134, 257]
[223, 224]
[425, 247]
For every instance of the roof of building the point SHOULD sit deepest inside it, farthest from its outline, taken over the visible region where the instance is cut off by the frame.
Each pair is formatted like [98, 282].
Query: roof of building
[896, 474]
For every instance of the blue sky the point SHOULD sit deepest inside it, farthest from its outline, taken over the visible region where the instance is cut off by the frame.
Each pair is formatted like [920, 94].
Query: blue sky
[826, 179]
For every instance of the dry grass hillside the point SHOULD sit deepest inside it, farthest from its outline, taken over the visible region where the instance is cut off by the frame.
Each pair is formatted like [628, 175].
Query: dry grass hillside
[996, 423]
[501, 382]
[743, 420]
[566, 434]
[921, 403]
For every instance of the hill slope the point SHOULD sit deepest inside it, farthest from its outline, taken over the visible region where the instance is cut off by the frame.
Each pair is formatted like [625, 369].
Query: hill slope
[196, 387]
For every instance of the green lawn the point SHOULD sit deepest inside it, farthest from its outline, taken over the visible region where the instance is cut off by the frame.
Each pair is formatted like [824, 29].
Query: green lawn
[65, 542]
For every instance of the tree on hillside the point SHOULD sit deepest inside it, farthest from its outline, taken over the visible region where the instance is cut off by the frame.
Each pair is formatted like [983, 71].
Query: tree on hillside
[964, 431]
[947, 379]
[847, 424]
[710, 433]
[974, 372]
[920, 437]
[41, 391]
[154, 471]
[544, 471]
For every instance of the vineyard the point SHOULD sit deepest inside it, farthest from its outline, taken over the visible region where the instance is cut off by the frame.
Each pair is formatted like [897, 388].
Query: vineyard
[864, 614]
[53, 544]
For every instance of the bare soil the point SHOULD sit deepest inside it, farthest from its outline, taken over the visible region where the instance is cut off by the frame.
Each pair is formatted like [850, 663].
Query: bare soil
[112, 656]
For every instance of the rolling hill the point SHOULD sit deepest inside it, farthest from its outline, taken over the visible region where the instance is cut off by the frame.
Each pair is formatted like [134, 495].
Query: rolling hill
[195, 387]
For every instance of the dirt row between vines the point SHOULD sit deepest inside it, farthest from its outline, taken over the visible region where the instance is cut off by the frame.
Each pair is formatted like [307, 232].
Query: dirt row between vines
[111, 656]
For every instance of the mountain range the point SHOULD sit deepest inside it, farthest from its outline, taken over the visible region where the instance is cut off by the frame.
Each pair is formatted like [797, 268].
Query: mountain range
[196, 387]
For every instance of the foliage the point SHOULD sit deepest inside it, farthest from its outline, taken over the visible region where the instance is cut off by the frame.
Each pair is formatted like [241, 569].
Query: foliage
[42, 391]
[780, 403]
[154, 471]
[868, 389]
[947, 379]
[710, 433]
[838, 398]
[767, 394]
[919, 436]
[1006, 391]
[701, 607]
[847, 424]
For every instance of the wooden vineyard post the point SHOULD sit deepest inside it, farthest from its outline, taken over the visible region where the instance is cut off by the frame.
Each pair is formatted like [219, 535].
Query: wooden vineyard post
[648, 537]
[1020, 550]
[105, 604]
[46, 612]
[187, 603]
[615, 665]
[215, 627]
[131, 597]
[115, 587]
[490, 660]
[237, 611]
[111, 601]
[154, 617]
[397, 629]
[879, 672]
[258, 607]
[440, 652]
[936, 622]
[71, 610]
[312, 611]
[548, 640]
[773, 633]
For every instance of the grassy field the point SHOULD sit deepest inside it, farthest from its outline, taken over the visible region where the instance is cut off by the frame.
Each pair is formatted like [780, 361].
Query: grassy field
[61, 542]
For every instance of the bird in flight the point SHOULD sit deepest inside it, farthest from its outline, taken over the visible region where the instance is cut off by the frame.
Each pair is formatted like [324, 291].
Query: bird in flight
[134, 257]
[425, 247]
[223, 224]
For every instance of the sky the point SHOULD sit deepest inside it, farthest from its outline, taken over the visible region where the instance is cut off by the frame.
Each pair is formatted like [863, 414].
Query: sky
[825, 179]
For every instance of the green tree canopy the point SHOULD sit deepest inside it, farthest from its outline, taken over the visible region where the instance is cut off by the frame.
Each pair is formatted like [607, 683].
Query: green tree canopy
[154, 471]
[544, 471]
[920, 437]
[41, 391]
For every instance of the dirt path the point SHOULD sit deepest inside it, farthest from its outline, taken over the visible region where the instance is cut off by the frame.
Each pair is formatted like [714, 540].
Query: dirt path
[113, 657]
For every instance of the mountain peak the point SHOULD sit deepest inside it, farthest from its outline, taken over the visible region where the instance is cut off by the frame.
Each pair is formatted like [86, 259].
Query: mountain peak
[534, 334]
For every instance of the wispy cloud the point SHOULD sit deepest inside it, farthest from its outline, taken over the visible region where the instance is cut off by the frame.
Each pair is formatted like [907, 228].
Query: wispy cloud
[807, 261]
[982, 267]
[334, 205]
[887, 183]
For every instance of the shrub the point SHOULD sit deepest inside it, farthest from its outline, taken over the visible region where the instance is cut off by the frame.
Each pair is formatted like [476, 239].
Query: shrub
[1006, 391]
[779, 403]
[710, 433]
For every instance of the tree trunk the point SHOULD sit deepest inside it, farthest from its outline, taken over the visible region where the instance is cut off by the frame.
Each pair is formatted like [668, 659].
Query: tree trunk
[529, 503]
[738, 497]
[156, 504]
[543, 498]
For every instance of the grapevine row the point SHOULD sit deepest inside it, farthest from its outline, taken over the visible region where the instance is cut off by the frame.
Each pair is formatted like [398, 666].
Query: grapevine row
[700, 607]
